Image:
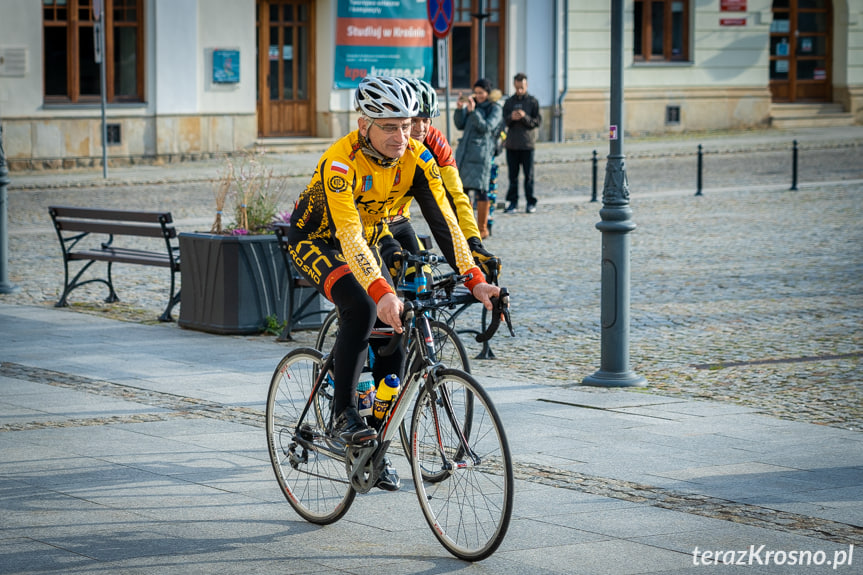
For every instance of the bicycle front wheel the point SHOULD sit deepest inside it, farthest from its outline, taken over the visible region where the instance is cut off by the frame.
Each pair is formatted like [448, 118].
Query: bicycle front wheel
[450, 351]
[310, 471]
[470, 508]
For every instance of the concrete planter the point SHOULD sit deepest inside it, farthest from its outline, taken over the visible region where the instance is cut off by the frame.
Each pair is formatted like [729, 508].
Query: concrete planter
[232, 284]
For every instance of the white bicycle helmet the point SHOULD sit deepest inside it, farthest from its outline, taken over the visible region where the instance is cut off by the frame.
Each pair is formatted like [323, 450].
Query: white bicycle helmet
[427, 98]
[386, 97]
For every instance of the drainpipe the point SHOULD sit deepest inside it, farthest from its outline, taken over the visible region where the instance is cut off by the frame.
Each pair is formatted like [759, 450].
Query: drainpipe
[555, 75]
[5, 286]
[563, 44]
[481, 16]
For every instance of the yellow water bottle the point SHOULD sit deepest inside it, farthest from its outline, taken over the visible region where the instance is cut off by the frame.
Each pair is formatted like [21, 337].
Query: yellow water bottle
[386, 392]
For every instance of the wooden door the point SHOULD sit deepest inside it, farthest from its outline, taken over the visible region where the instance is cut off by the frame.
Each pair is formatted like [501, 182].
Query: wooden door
[285, 35]
[801, 51]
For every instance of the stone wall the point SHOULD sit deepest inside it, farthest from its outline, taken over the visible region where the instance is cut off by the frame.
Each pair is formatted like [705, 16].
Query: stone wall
[66, 142]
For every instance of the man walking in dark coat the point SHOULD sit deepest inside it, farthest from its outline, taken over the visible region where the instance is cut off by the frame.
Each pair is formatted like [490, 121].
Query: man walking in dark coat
[521, 113]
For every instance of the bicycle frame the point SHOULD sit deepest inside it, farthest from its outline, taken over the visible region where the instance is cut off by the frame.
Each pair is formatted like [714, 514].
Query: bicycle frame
[420, 362]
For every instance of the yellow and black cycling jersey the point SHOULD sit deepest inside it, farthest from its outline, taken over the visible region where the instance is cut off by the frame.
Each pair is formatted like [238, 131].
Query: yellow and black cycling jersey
[458, 199]
[350, 197]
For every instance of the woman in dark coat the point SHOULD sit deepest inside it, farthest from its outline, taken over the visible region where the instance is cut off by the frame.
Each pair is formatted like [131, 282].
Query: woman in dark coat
[479, 118]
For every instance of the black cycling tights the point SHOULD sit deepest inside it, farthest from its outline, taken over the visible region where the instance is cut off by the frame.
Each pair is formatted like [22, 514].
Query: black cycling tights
[357, 315]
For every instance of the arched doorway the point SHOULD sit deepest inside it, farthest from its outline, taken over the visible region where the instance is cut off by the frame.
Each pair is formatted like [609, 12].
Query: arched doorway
[285, 86]
[801, 51]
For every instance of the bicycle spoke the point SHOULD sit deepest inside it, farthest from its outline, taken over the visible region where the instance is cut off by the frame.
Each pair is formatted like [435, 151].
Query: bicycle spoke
[450, 352]
[469, 504]
[310, 470]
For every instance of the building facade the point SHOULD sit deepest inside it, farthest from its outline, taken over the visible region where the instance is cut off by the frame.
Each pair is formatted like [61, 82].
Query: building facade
[197, 78]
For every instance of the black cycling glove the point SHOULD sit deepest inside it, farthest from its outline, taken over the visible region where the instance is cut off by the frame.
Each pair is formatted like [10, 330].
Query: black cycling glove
[391, 254]
[487, 262]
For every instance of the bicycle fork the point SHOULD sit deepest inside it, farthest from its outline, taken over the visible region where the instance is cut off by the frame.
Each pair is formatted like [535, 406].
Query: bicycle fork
[472, 459]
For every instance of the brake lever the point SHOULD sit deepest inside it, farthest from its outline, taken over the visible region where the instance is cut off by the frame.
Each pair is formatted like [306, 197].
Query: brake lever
[500, 308]
[398, 338]
[508, 319]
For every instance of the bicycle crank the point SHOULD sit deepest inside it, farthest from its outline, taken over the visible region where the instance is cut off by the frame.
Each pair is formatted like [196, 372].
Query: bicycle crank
[360, 466]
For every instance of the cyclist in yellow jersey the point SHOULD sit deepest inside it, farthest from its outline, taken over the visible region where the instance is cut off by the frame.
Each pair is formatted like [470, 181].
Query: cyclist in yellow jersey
[399, 223]
[339, 229]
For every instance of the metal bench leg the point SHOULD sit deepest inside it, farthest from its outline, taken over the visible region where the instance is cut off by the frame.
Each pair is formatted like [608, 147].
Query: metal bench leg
[166, 315]
[296, 315]
[112, 297]
[486, 352]
[175, 299]
[74, 284]
[286, 333]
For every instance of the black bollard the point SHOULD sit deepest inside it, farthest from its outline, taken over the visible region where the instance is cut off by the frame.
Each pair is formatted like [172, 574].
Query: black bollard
[794, 167]
[700, 168]
[593, 193]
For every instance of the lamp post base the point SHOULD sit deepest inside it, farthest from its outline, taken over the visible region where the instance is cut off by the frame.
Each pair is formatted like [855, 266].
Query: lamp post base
[614, 379]
[8, 288]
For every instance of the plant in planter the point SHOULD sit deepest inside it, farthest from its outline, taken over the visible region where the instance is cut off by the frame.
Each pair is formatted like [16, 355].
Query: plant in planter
[235, 280]
[255, 194]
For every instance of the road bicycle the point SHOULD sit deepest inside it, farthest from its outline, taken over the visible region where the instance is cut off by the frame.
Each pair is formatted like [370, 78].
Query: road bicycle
[459, 455]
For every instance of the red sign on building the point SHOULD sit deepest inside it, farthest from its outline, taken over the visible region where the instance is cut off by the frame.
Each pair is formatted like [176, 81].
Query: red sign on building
[732, 5]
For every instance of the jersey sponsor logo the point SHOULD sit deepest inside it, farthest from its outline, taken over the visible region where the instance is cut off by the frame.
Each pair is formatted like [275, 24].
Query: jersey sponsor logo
[339, 167]
[371, 206]
[398, 176]
[426, 156]
[364, 264]
[435, 172]
[337, 184]
[367, 183]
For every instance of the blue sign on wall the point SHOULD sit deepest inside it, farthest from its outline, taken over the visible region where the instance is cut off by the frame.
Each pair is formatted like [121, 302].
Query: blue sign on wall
[226, 66]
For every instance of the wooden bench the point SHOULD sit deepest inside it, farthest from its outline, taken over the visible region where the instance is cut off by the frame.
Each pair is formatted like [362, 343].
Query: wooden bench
[296, 282]
[75, 225]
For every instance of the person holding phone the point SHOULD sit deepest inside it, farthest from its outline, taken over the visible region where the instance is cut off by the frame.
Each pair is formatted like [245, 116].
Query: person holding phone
[478, 117]
[523, 118]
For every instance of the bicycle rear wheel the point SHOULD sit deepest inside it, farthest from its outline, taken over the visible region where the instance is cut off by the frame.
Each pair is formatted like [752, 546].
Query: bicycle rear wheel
[310, 471]
[470, 508]
[328, 331]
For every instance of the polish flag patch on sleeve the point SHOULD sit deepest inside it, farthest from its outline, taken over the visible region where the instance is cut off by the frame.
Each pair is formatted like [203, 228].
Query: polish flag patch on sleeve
[339, 167]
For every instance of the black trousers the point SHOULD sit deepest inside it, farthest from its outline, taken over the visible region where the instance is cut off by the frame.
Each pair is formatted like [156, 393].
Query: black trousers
[522, 159]
[321, 263]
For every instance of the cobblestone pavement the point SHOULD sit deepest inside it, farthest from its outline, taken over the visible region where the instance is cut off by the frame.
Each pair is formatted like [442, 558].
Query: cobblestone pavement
[748, 294]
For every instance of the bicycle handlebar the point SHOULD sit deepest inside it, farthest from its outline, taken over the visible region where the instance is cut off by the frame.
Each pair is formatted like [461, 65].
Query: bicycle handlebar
[397, 339]
[500, 309]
